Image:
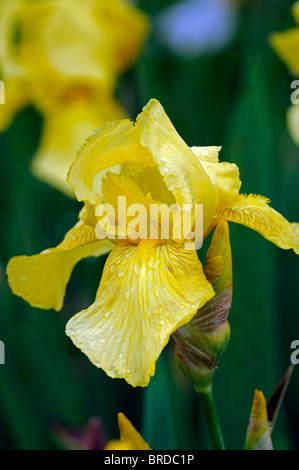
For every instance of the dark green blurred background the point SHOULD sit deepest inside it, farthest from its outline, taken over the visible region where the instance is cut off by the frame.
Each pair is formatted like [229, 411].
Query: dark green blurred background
[237, 98]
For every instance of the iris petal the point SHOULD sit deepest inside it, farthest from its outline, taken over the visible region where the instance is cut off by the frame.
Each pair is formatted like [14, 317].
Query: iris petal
[182, 172]
[130, 437]
[224, 176]
[254, 212]
[153, 142]
[145, 294]
[41, 279]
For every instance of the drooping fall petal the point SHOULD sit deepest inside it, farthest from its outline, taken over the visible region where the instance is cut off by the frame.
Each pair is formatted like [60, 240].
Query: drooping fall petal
[254, 212]
[41, 279]
[145, 294]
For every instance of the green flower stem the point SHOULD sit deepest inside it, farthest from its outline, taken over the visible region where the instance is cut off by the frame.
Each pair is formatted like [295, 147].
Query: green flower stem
[208, 405]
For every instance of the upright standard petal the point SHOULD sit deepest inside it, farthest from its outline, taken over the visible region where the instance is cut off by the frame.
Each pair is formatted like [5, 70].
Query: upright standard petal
[182, 172]
[254, 212]
[41, 279]
[111, 146]
[146, 293]
[224, 176]
[153, 142]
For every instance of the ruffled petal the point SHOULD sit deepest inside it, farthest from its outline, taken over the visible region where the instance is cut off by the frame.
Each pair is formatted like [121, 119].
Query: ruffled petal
[115, 143]
[145, 294]
[152, 142]
[224, 176]
[144, 176]
[254, 212]
[41, 279]
[182, 172]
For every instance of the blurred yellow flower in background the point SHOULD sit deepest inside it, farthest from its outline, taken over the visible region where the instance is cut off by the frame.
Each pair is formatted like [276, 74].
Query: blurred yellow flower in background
[64, 57]
[149, 288]
[130, 439]
[286, 45]
[93, 436]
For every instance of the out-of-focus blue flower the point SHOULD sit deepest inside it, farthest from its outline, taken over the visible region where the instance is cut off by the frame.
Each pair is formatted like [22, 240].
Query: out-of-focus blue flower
[194, 27]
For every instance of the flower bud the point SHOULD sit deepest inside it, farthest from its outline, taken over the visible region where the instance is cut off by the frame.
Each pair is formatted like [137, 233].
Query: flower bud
[201, 342]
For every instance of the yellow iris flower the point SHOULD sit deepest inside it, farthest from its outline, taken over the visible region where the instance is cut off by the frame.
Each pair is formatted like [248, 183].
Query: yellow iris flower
[149, 288]
[64, 57]
[286, 45]
[130, 439]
